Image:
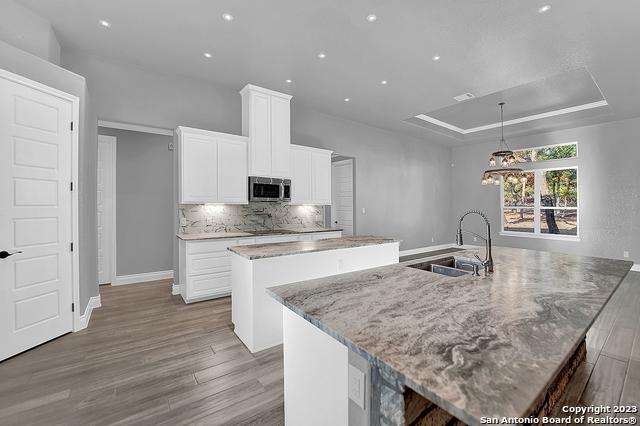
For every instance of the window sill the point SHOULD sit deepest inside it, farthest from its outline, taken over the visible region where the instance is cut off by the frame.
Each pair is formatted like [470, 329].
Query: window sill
[540, 236]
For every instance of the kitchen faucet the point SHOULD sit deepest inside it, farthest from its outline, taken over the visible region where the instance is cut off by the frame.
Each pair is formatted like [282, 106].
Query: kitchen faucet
[488, 260]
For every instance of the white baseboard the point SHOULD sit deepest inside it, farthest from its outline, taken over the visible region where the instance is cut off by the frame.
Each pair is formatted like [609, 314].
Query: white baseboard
[175, 289]
[141, 278]
[636, 267]
[94, 302]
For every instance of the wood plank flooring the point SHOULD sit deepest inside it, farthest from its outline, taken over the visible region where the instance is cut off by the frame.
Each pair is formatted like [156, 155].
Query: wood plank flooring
[147, 358]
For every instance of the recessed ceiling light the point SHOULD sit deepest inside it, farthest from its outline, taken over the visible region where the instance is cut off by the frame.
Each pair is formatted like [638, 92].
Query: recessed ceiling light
[383, 82]
[544, 8]
[347, 99]
[207, 55]
[288, 80]
[372, 18]
[104, 23]
[436, 57]
[322, 55]
[227, 17]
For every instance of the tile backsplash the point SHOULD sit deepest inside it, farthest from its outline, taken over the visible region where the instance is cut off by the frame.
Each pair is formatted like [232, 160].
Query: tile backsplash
[195, 219]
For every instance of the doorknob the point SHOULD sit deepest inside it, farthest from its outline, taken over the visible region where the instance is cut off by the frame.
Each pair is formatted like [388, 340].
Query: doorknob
[335, 221]
[5, 254]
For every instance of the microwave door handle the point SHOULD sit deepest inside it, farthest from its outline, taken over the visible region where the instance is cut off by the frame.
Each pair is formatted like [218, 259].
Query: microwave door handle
[281, 197]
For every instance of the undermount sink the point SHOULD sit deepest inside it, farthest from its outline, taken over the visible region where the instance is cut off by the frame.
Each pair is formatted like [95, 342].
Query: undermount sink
[452, 266]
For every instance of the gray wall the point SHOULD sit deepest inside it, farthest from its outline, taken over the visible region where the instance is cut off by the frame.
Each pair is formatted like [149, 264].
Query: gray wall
[398, 177]
[20, 62]
[28, 31]
[609, 188]
[144, 202]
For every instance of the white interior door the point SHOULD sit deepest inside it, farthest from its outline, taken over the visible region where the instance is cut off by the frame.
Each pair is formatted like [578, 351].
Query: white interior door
[342, 196]
[35, 217]
[106, 208]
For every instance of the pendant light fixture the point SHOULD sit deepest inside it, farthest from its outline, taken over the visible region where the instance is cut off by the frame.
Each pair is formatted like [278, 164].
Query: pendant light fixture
[504, 155]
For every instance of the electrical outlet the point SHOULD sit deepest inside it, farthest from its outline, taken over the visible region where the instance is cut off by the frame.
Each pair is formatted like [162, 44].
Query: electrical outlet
[183, 221]
[364, 211]
[625, 254]
[433, 239]
[170, 146]
[356, 386]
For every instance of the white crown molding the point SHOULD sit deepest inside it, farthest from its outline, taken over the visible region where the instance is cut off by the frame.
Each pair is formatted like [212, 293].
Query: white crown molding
[94, 303]
[141, 278]
[528, 118]
[135, 127]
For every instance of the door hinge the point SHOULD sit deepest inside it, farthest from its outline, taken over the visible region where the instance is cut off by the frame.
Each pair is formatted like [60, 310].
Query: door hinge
[71, 246]
[73, 307]
[71, 186]
[72, 126]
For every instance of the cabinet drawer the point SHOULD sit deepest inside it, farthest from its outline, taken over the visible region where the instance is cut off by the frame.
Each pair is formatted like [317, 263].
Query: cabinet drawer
[198, 264]
[208, 246]
[213, 284]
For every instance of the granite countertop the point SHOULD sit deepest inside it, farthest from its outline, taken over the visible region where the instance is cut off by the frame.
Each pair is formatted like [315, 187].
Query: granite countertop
[263, 251]
[475, 346]
[256, 233]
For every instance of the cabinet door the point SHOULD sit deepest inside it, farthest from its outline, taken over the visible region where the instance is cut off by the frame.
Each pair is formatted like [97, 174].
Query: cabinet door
[280, 137]
[300, 176]
[232, 171]
[321, 178]
[199, 180]
[260, 135]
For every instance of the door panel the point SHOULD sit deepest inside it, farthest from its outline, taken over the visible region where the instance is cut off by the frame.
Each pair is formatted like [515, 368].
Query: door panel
[300, 176]
[260, 135]
[342, 207]
[280, 137]
[321, 178]
[35, 217]
[232, 171]
[106, 210]
[199, 179]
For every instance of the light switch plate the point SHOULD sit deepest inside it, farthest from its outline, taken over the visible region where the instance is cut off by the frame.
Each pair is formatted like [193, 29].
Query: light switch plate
[356, 386]
[625, 254]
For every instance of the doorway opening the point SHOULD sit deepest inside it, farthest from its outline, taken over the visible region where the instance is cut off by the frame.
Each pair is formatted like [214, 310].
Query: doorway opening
[341, 214]
[136, 203]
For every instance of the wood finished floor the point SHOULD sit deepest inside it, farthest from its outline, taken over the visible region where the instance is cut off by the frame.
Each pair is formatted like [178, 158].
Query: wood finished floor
[147, 358]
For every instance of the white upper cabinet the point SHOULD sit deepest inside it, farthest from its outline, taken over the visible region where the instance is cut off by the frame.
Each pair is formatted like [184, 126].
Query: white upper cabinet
[212, 167]
[300, 175]
[321, 177]
[266, 121]
[311, 175]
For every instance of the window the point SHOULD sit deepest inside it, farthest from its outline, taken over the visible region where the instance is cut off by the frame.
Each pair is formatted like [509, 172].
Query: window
[546, 205]
[545, 153]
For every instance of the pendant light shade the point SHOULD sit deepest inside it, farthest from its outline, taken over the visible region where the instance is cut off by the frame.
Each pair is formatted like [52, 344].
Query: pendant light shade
[507, 160]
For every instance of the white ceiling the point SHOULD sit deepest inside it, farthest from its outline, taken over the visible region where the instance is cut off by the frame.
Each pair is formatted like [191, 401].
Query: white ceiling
[486, 46]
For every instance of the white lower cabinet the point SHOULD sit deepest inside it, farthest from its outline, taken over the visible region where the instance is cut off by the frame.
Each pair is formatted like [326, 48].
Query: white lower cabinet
[205, 265]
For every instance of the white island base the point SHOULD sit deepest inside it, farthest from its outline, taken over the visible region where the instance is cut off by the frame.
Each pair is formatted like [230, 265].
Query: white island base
[257, 317]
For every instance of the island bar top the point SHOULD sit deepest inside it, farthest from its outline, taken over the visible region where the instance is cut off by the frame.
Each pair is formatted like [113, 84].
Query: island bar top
[475, 346]
[263, 251]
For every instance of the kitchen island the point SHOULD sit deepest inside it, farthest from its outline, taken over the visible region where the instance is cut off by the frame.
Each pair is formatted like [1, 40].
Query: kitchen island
[471, 346]
[256, 317]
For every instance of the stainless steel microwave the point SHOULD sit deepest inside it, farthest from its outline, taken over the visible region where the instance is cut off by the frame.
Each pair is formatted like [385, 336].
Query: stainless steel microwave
[269, 189]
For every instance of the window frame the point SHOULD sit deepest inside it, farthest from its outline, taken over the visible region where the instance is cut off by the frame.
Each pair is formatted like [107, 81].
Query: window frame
[537, 208]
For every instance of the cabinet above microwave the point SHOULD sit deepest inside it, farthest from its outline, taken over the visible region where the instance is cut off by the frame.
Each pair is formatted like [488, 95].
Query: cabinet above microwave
[266, 122]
